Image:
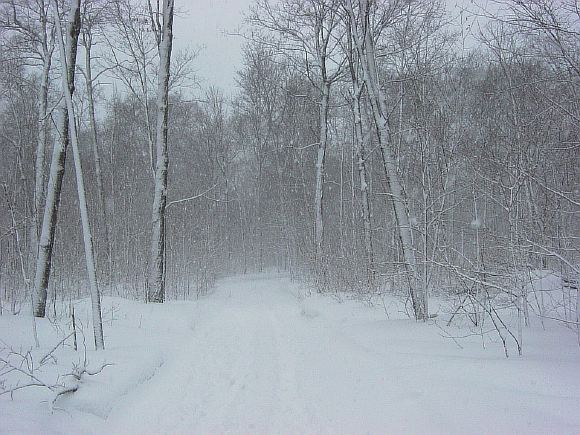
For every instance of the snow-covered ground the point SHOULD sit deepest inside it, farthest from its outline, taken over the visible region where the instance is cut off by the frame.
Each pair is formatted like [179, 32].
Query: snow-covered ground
[258, 356]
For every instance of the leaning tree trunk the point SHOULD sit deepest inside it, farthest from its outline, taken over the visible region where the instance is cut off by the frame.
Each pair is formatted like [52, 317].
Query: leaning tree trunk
[365, 48]
[54, 187]
[156, 284]
[68, 87]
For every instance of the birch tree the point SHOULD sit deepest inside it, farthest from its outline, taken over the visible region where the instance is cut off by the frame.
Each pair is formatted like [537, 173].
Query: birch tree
[57, 166]
[74, 25]
[162, 23]
[363, 39]
[93, 16]
[361, 138]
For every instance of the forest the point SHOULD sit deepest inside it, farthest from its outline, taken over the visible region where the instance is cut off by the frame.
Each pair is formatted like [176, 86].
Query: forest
[418, 157]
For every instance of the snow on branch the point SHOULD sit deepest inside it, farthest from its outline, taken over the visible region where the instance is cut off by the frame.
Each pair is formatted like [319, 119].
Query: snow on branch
[20, 370]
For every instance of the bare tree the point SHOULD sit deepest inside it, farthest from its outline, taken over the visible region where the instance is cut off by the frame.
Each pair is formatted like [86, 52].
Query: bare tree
[34, 32]
[362, 33]
[74, 25]
[164, 34]
[553, 26]
[260, 81]
[93, 16]
[361, 139]
[57, 166]
[131, 60]
[308, 32]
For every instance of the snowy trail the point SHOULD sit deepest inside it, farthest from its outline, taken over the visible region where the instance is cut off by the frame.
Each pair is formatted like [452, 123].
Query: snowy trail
[259, 362]
[256, 357]
[260, 359]
[255, 363]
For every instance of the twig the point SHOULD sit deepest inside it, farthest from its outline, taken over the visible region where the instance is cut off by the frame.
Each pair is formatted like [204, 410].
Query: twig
[43, 359]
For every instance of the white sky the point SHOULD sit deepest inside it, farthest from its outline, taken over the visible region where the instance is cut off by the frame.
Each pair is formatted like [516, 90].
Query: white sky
[205, 24]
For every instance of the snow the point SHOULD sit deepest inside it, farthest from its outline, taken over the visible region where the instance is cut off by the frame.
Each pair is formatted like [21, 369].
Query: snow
[476, 223]
[262, 355]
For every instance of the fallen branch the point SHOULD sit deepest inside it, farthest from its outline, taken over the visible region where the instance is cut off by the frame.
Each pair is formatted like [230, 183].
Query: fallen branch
[29, 374]
[76, 375]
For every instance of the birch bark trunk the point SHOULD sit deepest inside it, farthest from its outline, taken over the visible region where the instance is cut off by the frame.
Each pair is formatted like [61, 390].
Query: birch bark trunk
[54, 187]
[156, 284]
[365, 48]
[68, 89]
[42, 140]
[46, 47]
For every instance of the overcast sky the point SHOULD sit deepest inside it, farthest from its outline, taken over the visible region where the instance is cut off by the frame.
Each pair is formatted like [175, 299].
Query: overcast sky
[208, 24]
[205, 25]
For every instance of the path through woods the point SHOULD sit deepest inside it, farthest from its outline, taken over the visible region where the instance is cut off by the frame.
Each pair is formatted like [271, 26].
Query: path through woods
[259, 356]
[262, 359]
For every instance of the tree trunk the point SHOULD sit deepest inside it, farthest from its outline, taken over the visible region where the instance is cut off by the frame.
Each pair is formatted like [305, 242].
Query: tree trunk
[156, 285]
[40, 153]
[365, 47]
[42, 140]
[364, 187]
[319, 189]
[53, 190]
[87, 42]
[68, 87]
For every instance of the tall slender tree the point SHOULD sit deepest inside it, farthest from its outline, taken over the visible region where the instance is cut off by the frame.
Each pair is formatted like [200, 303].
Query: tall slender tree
[68, 85]
[93, 16]
[164, 34]
[53, 191]
[364, 41]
